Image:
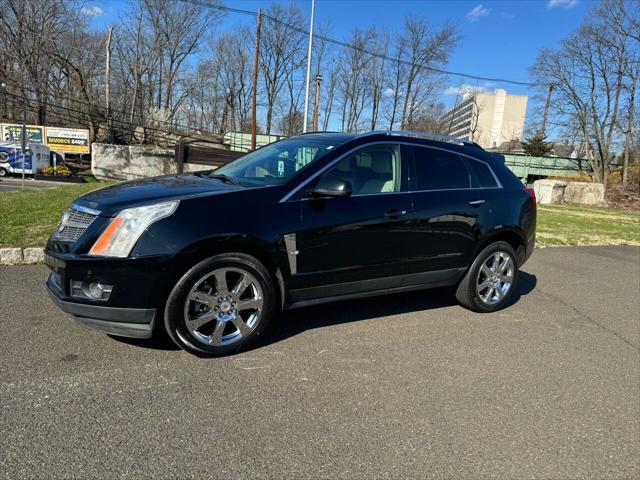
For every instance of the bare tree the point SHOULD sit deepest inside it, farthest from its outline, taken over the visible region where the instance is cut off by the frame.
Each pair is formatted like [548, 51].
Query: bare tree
[280, 45]
[588, 72]
[178, 28]
[426, 48]
[378, 75]
[353, 83]
[623, 18]
[396, 78]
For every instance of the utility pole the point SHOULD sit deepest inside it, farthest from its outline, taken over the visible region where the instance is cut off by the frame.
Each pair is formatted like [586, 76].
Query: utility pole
[254, 84]
[627, 136]
[306, 92]
[3, 112]
[24, 143]
[316, 103]
[546, 110]
[107, 83]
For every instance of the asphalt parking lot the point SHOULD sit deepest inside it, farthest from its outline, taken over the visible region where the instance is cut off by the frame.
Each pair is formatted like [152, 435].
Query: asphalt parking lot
[402, 386]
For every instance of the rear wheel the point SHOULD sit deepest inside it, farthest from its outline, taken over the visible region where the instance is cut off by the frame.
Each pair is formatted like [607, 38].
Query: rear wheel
[491, 280]
[221, 305]
[3, 172]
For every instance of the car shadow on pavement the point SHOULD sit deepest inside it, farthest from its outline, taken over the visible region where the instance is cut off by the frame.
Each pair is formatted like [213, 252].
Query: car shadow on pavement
[293, 322]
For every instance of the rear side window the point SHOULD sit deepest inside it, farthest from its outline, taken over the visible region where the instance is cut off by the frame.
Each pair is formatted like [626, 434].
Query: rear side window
[439, 170]
[482, 174]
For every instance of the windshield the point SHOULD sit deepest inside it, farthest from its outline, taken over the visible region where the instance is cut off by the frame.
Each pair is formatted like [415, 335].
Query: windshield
[277, 162]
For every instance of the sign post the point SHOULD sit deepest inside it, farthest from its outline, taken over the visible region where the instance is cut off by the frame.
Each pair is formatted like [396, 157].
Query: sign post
[23, 146]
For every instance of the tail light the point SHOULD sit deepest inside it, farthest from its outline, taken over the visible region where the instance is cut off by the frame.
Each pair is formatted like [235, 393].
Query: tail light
[532, 194]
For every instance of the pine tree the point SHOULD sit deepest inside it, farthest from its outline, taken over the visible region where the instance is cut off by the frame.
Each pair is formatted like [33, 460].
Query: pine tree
[537, 146]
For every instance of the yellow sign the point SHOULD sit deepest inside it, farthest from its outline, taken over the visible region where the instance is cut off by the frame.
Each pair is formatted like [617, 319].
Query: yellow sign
[61, 140]
[71, 140]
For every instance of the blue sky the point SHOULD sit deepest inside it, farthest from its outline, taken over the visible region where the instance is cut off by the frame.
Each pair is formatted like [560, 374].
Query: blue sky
[501, 38]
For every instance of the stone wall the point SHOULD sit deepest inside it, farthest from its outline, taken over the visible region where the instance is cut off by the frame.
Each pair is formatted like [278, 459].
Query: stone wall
[584, 193]
[557, 191]
[130, 162]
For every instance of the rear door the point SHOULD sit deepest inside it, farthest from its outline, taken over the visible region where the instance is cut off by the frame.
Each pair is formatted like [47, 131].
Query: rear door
[449, 211]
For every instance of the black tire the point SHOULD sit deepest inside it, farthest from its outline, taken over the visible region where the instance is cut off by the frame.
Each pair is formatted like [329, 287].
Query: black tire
[3, 172]
[467, 293]
[174, 314]
[4, 157]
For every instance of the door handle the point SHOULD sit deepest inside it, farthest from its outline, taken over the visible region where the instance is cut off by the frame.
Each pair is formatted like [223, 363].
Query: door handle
[395, 213]
[475, 203]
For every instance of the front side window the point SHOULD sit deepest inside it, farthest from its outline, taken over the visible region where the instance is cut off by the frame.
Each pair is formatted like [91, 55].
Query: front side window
[439, 170]
[370, 170]
[278, 162]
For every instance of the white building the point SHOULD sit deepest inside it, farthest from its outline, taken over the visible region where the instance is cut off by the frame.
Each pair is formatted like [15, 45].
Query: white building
[489, 119]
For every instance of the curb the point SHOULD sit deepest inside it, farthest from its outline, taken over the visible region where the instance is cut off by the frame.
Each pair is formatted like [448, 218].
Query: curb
[19, 256]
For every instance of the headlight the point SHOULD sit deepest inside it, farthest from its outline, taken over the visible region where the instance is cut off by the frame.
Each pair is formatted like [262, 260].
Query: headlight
[124, 230]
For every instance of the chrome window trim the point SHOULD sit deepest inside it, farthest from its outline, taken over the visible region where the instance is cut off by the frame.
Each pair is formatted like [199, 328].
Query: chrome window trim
[386, 142]
[498, 182]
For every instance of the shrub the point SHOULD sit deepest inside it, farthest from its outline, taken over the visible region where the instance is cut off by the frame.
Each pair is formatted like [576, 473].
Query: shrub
[614, 177]
[576, 177]
[61, 170]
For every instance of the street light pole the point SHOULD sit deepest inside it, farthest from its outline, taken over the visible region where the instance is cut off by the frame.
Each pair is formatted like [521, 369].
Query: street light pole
[306, 92]
[316, 103]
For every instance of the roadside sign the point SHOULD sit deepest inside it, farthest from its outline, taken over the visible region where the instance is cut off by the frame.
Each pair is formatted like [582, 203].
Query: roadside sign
[67, 140]
[12, 133]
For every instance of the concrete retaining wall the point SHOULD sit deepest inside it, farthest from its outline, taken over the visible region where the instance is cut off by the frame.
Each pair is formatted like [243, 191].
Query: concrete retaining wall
[130, 162]
[557, 191]
[549, 191]
[584, 193]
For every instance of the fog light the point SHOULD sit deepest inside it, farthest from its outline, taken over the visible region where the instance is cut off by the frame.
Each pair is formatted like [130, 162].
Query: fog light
[91, 290]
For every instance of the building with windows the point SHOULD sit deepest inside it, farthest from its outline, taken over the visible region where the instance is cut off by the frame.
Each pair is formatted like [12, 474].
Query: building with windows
[487, 118]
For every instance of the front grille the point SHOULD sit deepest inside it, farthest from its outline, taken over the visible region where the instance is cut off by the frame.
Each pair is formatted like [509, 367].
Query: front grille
[73, 224]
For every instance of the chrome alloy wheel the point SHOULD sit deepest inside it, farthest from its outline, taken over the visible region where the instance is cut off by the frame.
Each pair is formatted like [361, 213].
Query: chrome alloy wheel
[223, 306]
[495, 278]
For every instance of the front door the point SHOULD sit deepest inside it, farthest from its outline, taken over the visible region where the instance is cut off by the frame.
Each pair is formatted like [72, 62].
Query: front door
[350, 244]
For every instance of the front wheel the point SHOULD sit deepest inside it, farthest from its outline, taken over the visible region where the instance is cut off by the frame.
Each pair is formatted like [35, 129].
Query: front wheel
[489, 283]
[3, 172]
[221, 305]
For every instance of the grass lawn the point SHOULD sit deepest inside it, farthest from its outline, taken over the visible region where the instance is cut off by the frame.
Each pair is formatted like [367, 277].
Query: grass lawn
[576, 225]
[28, 217]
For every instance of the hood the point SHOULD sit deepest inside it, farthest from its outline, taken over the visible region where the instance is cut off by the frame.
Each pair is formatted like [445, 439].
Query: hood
[110, 200]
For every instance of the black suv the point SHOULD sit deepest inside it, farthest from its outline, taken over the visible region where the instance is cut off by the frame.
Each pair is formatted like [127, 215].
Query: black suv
[213, 256]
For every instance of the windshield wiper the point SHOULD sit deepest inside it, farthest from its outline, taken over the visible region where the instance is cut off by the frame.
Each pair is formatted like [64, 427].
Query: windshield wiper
[224, 178]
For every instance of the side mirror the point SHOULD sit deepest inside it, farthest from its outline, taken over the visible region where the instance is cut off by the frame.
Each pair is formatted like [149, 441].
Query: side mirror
[331, 186]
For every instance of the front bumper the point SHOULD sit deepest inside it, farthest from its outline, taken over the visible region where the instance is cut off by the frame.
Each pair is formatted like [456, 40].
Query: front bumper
[124, 322]
[139, 290]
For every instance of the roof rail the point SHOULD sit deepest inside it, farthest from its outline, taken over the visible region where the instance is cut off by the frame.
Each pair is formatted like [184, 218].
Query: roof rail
[427, 136]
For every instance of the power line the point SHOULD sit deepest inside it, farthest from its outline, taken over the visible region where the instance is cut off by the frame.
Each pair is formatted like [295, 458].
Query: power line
[99, 109]
[333, 41]
[78, 115]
